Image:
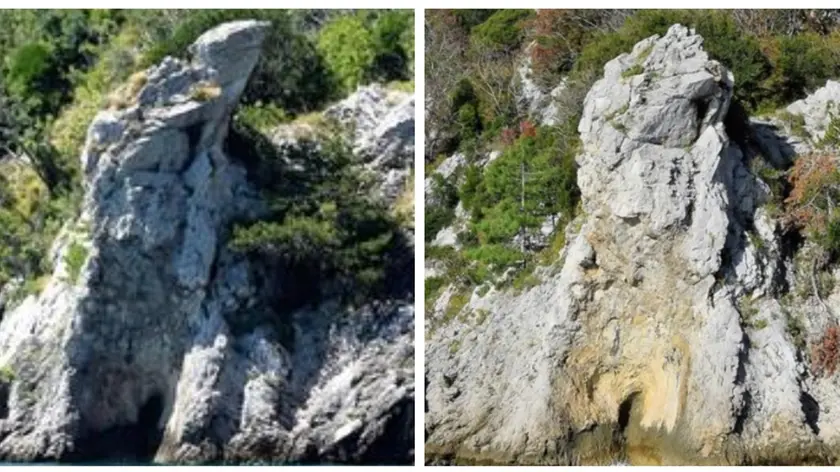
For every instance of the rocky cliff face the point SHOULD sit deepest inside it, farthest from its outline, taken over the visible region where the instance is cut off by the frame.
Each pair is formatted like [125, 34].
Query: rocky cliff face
[670, 332]
[142, 346]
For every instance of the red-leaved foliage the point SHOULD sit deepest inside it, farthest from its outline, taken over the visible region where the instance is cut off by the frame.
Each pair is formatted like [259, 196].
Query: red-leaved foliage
[825, 354]
[546, 49]
[527, 129]
[812, 179]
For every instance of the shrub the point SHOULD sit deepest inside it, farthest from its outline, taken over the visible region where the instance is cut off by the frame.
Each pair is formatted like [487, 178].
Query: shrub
[831, 139]
[502, 31]
[29, 69]
[815, 184]
[117, 61]
[432, 287]
[463, 94]
[468, 19]
[804, 63]
[262, 117]
[559, 35]
[796, 330]
[468, 122]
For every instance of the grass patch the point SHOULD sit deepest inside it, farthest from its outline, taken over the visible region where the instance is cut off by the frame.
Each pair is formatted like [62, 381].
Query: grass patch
[796, 330]
[75, 258]
[457, 302]
[644, 54]
[204, 92]
[635, 69]
[401, 86]
[36, 286]
[431, 166]
[263, 118]
[748, 310]
[481, 316]
[404, 205]
[623, 109]
[7, 374]
[525, 279]
[551, 254]
[756, 240]
[796, 123]
[126, 95]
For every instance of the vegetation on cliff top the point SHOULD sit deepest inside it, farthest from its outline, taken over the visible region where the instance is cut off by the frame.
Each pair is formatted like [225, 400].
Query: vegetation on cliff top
[60, 67]
[472, 60]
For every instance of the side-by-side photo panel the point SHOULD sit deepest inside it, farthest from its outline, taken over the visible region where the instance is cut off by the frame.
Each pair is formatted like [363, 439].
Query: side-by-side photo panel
[207, 236]
[632, 237]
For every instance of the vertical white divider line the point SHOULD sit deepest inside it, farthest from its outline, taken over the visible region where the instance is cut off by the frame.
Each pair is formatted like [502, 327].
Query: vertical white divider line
[419, 232]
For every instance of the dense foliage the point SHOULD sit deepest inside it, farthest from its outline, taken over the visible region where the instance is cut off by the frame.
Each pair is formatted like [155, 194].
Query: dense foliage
[473, 59]
[323, 227]
[60, 67]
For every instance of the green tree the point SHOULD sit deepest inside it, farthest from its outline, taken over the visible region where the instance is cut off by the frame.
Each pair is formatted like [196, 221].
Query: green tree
[323, 227]
[533, 179]
[392, 33]
[349, 50]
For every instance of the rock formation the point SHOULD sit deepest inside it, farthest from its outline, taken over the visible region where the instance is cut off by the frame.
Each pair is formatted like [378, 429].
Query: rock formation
[147, 341]
[670, 332]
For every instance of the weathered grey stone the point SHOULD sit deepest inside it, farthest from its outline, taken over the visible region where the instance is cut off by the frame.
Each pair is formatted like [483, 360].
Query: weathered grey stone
[382, 125]
[164, 345]
[817, 110]
[232, 49]
[662, 335]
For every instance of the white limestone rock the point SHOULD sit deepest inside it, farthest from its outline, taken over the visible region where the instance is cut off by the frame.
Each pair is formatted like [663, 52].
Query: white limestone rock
[160, 346]
[648, 334]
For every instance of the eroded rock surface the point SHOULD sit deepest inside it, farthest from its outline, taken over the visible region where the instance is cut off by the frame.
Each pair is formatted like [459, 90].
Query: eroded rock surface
[644, 345]
[150, 339]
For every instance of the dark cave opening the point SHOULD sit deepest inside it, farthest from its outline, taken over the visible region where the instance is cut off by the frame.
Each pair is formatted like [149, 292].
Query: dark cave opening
[128, 443]
[624, 413]
[701, 107]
